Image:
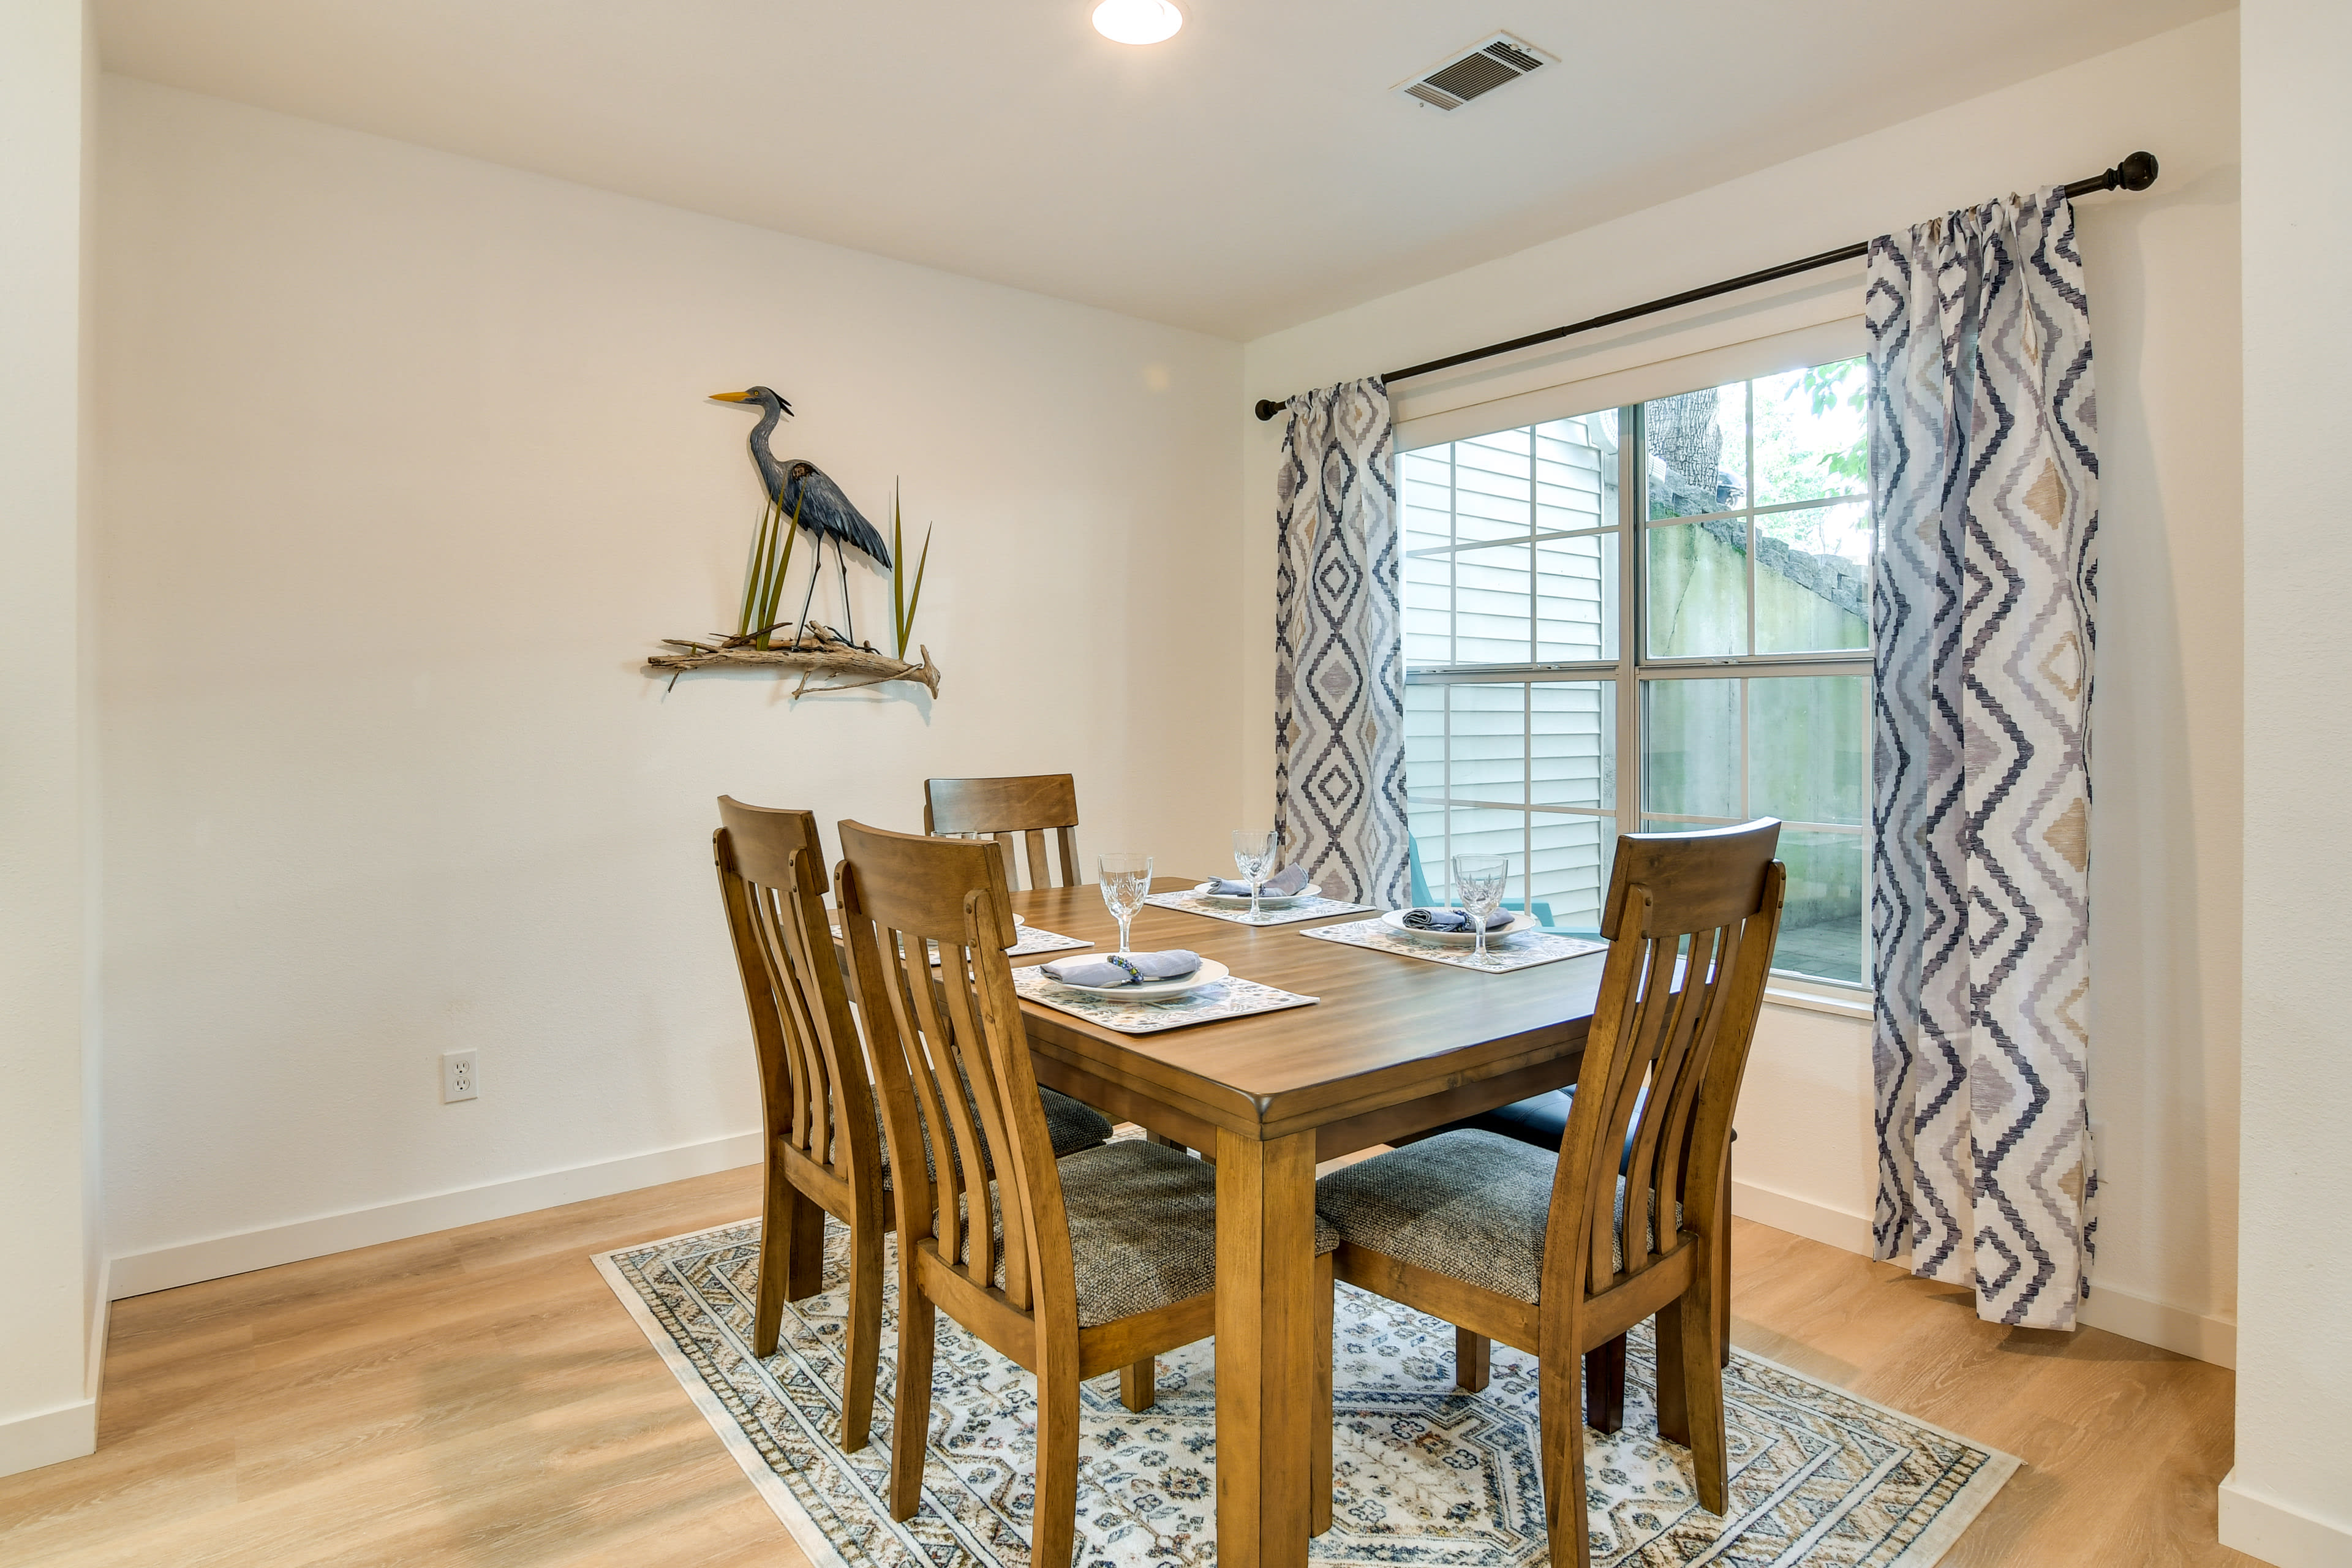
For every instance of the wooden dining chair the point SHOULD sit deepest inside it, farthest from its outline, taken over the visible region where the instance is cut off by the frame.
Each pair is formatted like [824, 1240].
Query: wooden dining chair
[1013, 811]
[824, 1144]
[1100, 1262]
[1558, 1254]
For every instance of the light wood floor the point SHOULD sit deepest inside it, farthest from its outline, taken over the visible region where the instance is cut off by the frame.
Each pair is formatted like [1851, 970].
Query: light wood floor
[477, 1396]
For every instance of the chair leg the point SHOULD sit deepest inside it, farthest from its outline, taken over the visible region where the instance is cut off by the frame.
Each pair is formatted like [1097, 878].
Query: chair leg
[1318, 1459]
[910, 1421]
[1673, 1383]
[1474, 1357]
[787, 1220]
[1604, 1387]
[1563, 1461]
[1139, 1385]
[1053, 1518]
[804, 1249]
[1702, 1392]
[864, 1350]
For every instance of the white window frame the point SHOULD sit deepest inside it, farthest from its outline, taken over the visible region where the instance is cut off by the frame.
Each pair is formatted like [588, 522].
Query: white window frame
[1628, 673]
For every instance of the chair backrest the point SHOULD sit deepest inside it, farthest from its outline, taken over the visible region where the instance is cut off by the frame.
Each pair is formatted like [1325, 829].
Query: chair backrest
[1691, 919]
[812, 1078]
[1021, 810]
[950, 1041]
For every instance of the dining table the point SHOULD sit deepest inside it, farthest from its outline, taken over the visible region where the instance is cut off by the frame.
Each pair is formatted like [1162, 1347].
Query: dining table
[1393, 1046]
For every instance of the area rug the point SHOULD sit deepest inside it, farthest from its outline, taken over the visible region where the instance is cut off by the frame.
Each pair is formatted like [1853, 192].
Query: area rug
[1424, 1474]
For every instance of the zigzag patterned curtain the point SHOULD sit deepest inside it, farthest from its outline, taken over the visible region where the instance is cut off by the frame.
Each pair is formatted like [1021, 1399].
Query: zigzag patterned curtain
[1338, 647]
[1984, 487]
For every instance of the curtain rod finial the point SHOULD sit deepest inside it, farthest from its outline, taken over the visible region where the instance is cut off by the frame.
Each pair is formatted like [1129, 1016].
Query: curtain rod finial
[2136, 173]
[1267, 408]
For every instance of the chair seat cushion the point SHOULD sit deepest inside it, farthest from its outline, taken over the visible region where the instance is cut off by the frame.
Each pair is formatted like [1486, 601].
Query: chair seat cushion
[1471, 1205]
[1072, 1125]
[1143, 1229]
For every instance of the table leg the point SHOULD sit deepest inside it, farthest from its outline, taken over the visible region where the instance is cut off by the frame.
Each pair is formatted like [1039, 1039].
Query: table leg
[1265, 1361]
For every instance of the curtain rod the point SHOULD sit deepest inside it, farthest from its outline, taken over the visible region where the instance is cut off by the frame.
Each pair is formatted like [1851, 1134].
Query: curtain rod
[2136, 172]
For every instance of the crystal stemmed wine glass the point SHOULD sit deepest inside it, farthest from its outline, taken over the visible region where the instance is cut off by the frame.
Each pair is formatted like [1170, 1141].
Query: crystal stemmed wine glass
[1125, 878]
[1253, 855]
[1479, 879]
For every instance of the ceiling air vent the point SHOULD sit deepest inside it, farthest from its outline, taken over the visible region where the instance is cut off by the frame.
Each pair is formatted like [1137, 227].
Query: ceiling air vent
[1476, 71]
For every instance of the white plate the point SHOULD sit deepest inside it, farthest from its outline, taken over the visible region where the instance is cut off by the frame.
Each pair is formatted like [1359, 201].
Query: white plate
[1520, 920]
[1209, 974]
[1264, 900]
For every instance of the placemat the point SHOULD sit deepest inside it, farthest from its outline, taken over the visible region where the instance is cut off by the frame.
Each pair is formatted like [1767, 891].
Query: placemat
[1191, 903]
[1232, 997]
[1035, 939]
[1525, 951]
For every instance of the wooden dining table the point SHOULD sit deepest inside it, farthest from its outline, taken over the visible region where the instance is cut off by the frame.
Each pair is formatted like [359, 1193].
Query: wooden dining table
[1395, 1046]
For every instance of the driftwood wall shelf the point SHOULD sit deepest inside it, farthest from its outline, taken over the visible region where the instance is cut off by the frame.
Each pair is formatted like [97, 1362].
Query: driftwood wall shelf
[817, 656]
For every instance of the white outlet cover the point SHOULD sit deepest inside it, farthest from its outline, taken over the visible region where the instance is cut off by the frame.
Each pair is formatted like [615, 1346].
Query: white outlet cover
[461, 1076]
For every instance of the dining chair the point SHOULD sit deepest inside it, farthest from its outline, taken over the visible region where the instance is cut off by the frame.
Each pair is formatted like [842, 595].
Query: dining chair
[823, 1139]
[1011, 810]
[1102, 1260]
[1558, 1254]
[824, 1144]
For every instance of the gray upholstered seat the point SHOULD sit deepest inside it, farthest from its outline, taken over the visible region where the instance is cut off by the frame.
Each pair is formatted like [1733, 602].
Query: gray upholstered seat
[1072, 1124]
[1143, 1228]
[1471, 1205]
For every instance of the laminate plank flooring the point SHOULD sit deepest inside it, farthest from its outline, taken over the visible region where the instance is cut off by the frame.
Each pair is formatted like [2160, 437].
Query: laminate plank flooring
[478, 1397]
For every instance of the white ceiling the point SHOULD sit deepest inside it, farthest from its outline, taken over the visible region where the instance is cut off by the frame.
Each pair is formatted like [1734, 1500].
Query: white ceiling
[1250, 173]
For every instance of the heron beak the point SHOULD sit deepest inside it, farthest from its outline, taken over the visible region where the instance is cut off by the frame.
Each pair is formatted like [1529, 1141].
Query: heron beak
[731, 397]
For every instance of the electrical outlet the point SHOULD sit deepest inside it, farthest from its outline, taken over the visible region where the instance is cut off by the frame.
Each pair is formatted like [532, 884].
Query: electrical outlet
[461, 1076]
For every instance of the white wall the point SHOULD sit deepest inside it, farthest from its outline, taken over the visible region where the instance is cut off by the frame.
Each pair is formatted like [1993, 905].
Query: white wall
[2163, 274]
[48, 1229]
[407, 463]
[2289, 1501]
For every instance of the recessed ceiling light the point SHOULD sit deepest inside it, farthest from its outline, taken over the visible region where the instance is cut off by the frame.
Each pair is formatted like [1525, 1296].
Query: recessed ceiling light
[1137, 21]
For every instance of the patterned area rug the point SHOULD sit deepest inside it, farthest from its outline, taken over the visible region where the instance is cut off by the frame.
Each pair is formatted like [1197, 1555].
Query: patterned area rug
[1424, 1473]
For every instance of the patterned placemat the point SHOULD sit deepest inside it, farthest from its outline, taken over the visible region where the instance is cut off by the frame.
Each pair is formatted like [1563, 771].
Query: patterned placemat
[1035, 939]
[1525, 951]
[1304, 910]
[1232, 997]
[1425, 1474]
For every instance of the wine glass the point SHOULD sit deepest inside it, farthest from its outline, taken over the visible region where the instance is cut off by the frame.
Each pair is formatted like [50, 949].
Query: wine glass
[1479, 881]
[1252, 857]
[1125, 878]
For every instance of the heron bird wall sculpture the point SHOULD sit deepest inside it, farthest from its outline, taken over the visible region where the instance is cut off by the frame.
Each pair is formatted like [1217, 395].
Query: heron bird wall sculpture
[799, 489]
[801, 496]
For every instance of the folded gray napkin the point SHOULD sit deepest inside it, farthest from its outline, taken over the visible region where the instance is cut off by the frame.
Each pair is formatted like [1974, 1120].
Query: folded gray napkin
[1124, 968]
[1452, 920]
[1281, 885]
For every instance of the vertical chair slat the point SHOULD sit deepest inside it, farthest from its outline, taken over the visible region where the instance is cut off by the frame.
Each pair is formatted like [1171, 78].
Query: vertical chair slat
[972, 1055]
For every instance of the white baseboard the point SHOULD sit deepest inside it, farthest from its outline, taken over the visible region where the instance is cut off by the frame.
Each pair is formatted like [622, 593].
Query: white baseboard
[1800, 1216]
[2161, 1324]
[47, 1437]
[2279, 1532]
[135, 1274]
[2175, 1329]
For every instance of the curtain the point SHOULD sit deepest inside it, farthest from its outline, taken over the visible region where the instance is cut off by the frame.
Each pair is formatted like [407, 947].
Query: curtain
[1984, 489]
[1338, 692]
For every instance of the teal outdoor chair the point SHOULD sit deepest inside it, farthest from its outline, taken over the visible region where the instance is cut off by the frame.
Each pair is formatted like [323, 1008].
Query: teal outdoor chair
[1422, 898]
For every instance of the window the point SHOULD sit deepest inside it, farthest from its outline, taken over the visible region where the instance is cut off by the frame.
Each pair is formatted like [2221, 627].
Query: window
[1684, 582]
